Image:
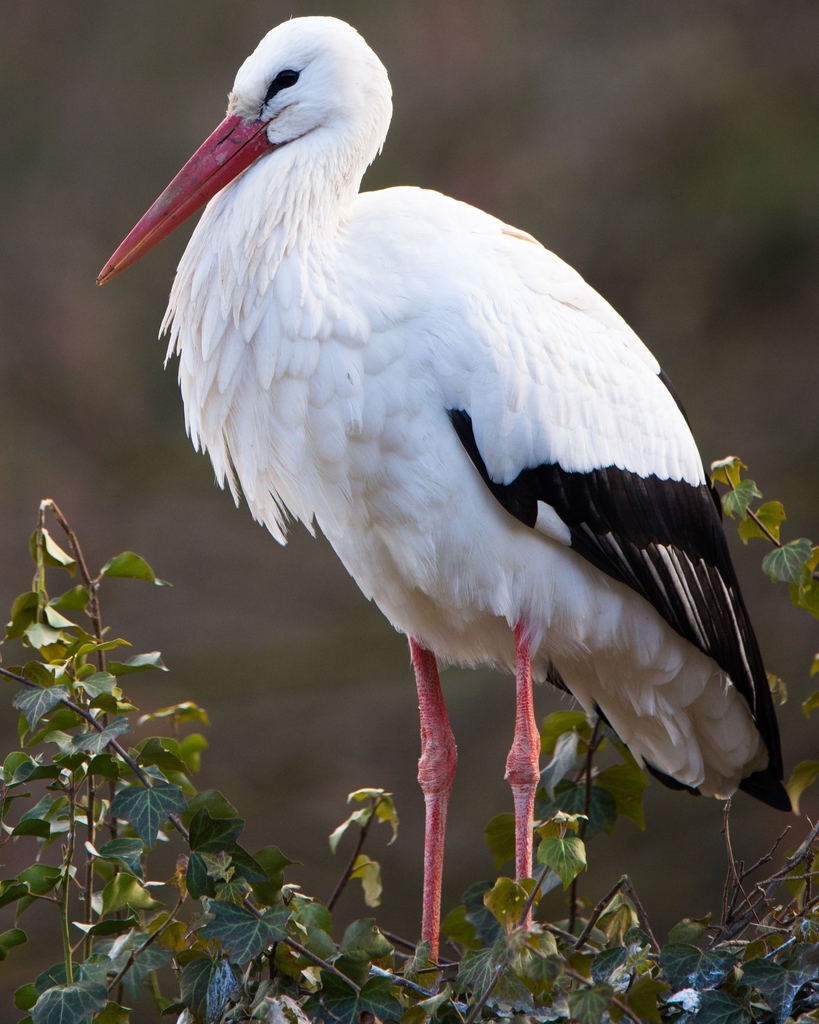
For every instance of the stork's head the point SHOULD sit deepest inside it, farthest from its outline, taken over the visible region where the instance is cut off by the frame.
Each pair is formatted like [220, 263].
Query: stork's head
[307, 75]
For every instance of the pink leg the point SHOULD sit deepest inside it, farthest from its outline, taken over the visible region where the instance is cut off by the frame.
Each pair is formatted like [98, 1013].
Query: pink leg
[522, 764]
[436, 770]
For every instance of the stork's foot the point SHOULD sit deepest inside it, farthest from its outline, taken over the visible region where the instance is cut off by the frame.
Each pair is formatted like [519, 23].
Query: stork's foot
[436, 770]
[523, 762]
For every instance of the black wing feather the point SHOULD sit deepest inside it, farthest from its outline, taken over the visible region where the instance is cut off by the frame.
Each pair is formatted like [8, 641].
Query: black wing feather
[664, 539]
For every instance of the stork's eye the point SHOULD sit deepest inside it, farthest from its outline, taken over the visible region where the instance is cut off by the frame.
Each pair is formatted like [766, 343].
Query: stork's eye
[283, 80]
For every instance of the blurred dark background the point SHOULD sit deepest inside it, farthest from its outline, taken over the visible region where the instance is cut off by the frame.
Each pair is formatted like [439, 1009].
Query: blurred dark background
[668, 151]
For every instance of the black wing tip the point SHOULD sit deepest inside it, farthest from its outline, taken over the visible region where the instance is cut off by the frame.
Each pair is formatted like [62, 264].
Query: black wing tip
[766, 785]
[670, 781]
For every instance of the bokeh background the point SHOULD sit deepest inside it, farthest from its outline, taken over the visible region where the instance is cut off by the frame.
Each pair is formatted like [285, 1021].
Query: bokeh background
[668, 151]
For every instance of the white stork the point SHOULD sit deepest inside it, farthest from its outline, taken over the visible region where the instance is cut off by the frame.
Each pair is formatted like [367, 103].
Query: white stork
[492, 452]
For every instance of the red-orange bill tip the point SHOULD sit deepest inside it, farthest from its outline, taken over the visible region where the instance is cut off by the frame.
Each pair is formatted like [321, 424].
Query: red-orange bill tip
[228, 151]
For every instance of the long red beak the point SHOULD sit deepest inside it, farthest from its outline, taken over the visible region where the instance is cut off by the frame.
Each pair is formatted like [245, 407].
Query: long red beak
[231, 149]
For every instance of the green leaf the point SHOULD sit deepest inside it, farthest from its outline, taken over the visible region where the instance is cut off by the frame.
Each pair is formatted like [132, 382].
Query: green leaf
[570, 797]
[506, 900]
[11, 890]
[207, 985]
[721, 1008]
[53, 976]
[369, 872]
[359, 818]
[736, 501]
[148, 809]
[566, 857]
[53, 554]
[642, 997]
[113, 1014]
[11, 938]
[139, 663]
[150, 959]
[771, 515]
[727, 471]
[36, 702]
[626, 783]
[190, 750]
[187, 711]
[803, 775]
[811, 704]
[100, 682]
[25, 997]
[559, 722]
[690, 929]
[564, 761]
[338, 1003]
[74, 1004]
[39, 635]
[197, 879]
[113, 926]
[95, 742]
[777, 985]
[784, 565]
[210, 835]
[607, 965]
[132, 567]
[487, 926]
[242, 934]
[125, 853]
[500, 838]
[363, 941]
[106, 766]
[74, 600]
[33, 827]
[154, 751]
[685, 966]
[588, 1005]
[477, 968]
[40, 878]
[456, 927]
[218, 806]
[123, 891]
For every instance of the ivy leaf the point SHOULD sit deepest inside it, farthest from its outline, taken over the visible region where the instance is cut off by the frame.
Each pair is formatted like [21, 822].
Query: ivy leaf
[570, 797]
[784, 565]
[198, 881]
[558, 723]
[369, 871]
[36, 703]
[210, 835]
[71, 1004]
[241, 933]
[218, 806]
[476, 913]
[11, 890]
[642, 997]
[727, 471]
[803, 775]
[147, 809]
[456, 927]
[736, 501]
[805, 592]
[131, 566]
[100, 682]
[588, 1005]
[626, 783]
[777, 985]
[686, 966]
[565, 856]
[124, 890]
[500, 838]
[207, 985]
[74, 600]
[690, 929]
[33, 827]
[53, 554]
[139, 663]
[564, 760]
[95, 742]
[812, 703]
[338, 1003]
[721, 1008]
[362, 941]
[150, 959]
[771, 515]
[608, 964]
[477, 968]
[11, 938]
[153, 751]
[125, 853]
[506, 901]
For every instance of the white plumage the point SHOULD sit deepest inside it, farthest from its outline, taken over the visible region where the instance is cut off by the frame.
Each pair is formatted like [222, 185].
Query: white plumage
[325, 340]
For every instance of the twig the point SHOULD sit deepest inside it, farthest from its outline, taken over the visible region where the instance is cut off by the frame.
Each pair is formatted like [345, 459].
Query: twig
[594, 917]
[144, 945]
[587, 773]
[341, 885]
[768, 856]
[642, 917]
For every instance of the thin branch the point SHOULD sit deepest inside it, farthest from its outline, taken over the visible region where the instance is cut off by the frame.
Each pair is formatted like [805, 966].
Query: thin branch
[642, 917]
[594, 917]
[144, 945]
[341, 885]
